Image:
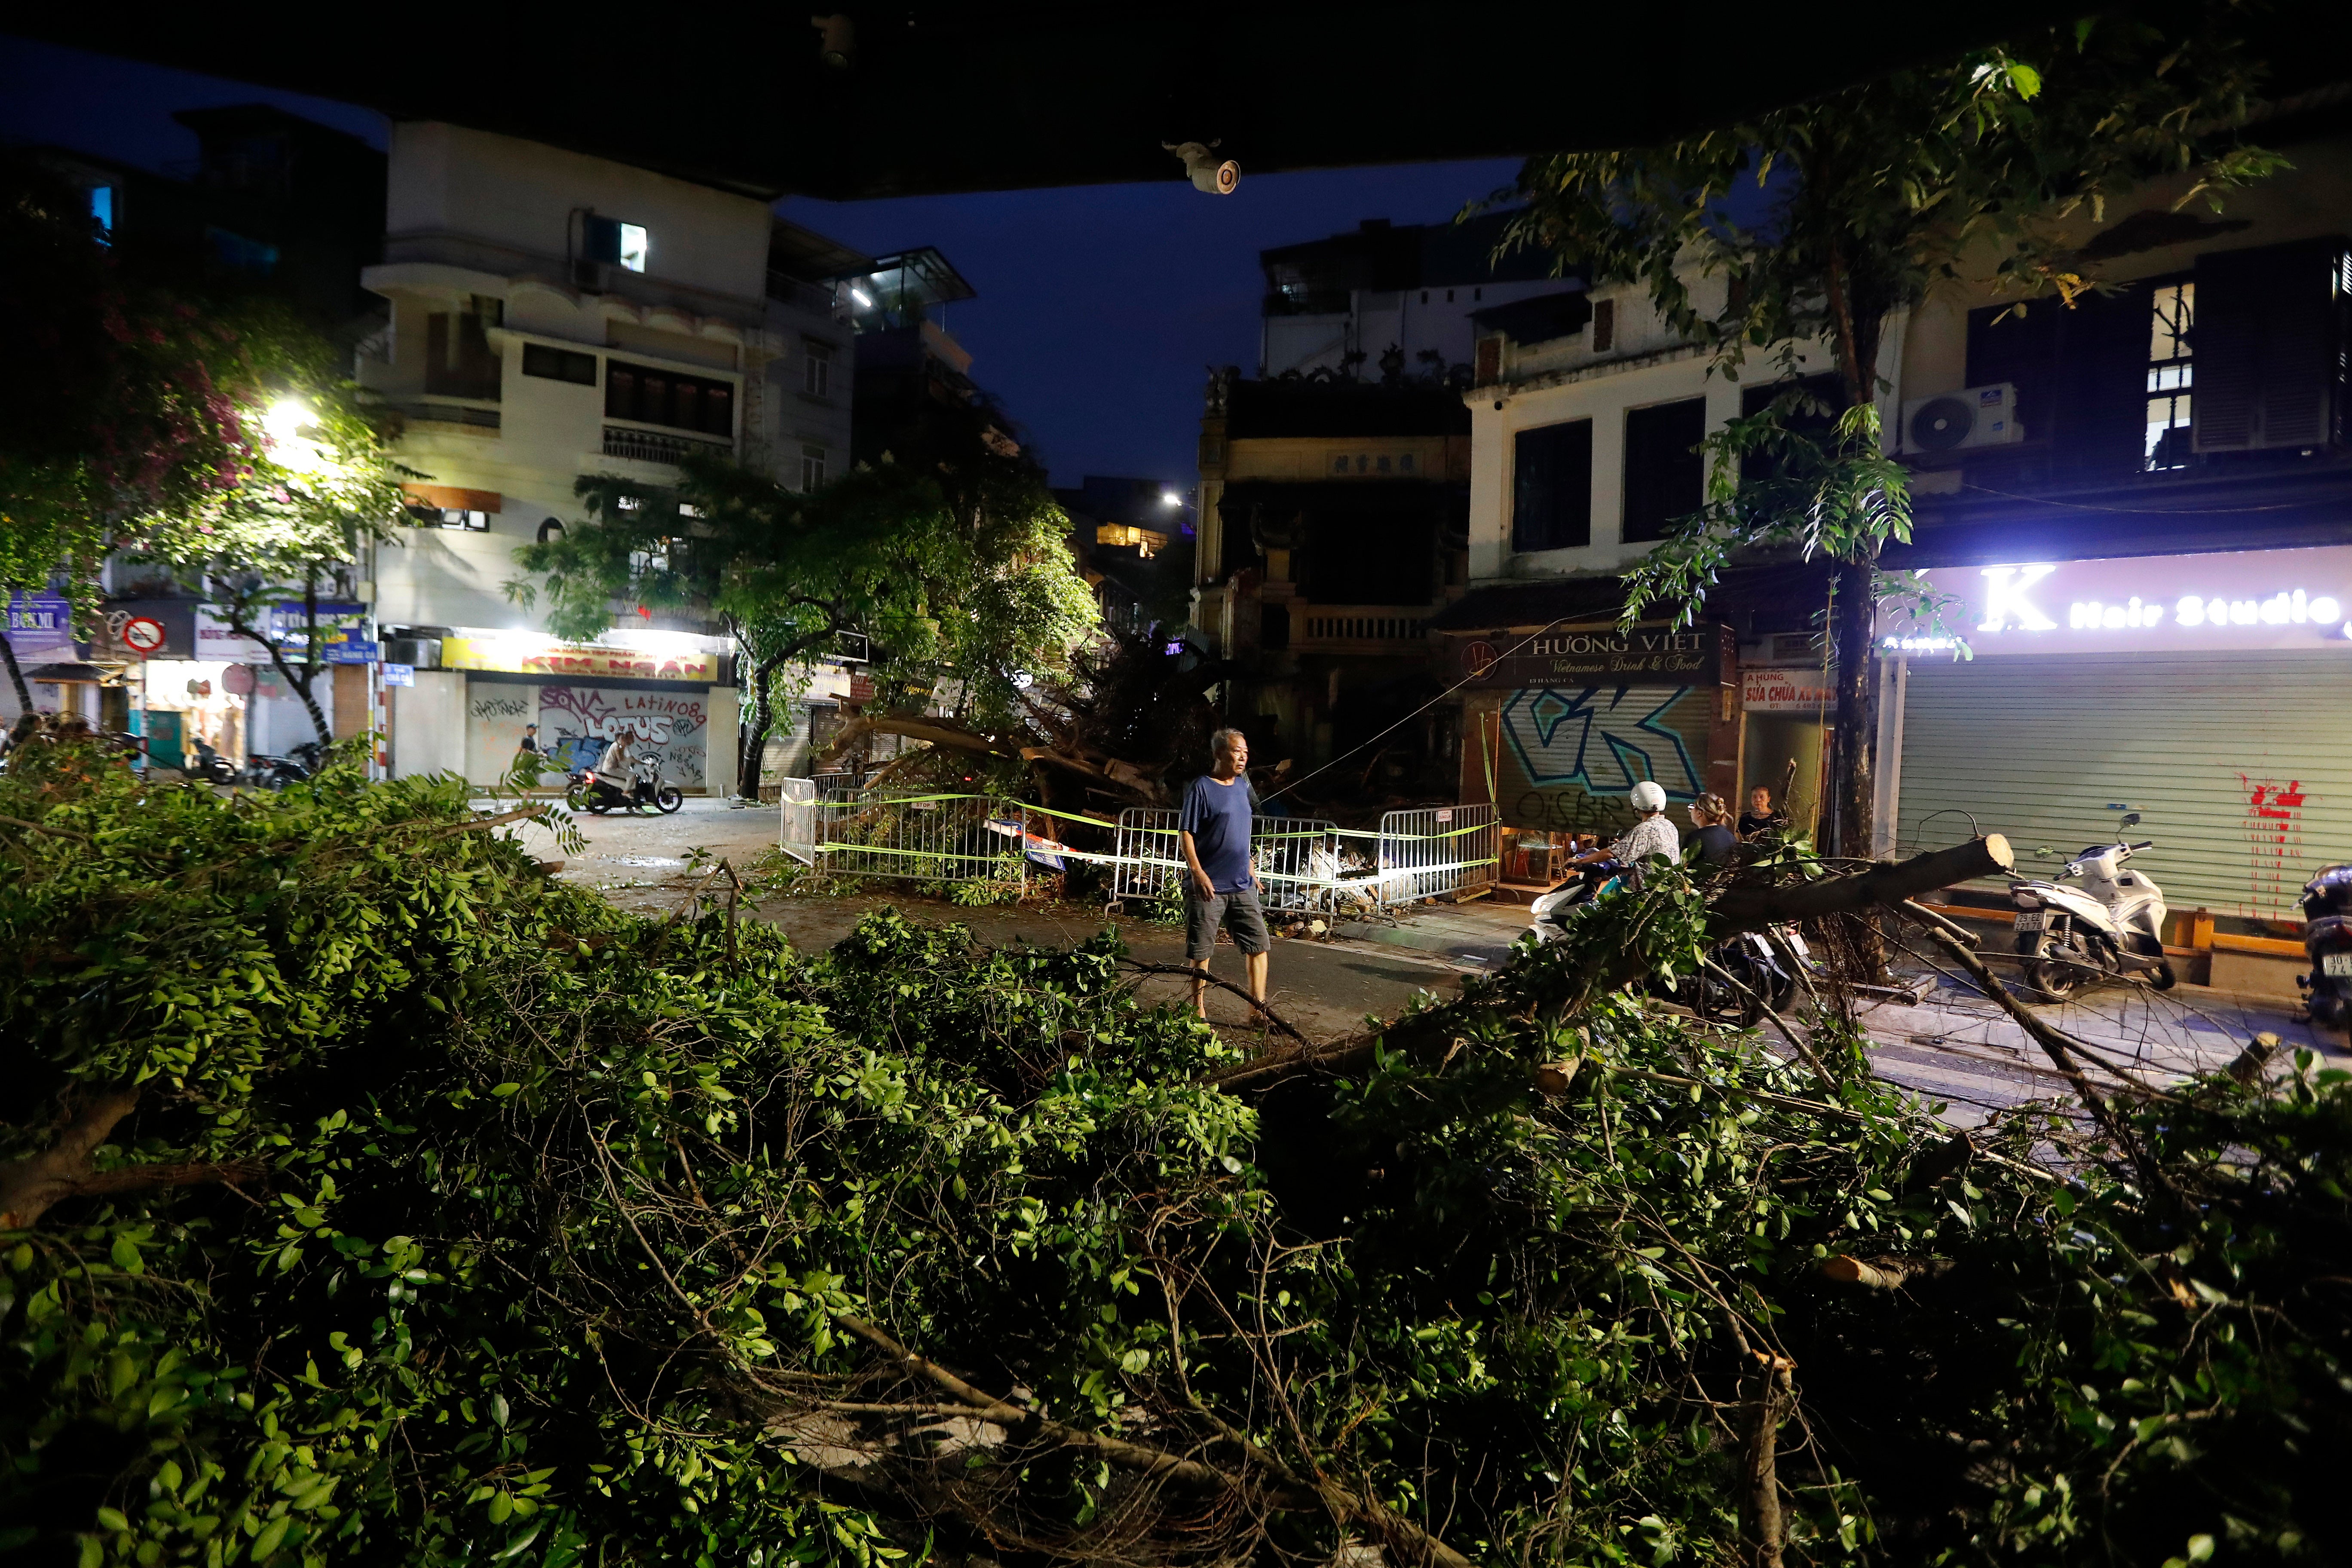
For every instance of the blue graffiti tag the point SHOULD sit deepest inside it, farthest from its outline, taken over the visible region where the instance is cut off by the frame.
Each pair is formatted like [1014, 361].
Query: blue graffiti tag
[1554, 736]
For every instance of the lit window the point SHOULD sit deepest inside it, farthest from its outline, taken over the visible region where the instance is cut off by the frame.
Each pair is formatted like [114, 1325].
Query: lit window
[451, 518]
[101, 208]
[623, 245]
[812, 468]
[816, 371]
[2169, 373]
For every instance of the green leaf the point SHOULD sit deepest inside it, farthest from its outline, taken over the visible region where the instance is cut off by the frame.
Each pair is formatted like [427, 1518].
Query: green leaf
[112, 1518]
[2025, 78]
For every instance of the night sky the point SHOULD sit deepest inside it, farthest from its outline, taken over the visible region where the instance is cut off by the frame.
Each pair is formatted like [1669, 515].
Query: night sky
[1099, 308]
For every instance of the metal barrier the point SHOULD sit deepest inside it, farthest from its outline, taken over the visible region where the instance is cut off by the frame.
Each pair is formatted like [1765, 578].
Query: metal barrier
[931, 839]
[799, 840]
[1302, 863]
[1300, 866]
[1146, 860]
[1436, 850]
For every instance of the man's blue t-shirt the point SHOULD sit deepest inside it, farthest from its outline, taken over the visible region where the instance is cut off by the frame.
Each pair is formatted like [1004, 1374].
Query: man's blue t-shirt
[1217, 815]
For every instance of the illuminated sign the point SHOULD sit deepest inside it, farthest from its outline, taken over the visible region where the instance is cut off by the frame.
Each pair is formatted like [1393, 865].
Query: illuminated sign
[567, 661]
[1786, 690]
[2254, 599]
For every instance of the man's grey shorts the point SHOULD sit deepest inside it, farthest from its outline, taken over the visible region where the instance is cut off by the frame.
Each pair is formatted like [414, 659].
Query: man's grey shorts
[1237, 911]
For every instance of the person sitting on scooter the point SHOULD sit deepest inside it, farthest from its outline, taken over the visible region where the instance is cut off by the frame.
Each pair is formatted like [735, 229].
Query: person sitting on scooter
[1652, 834]
[1717, 844]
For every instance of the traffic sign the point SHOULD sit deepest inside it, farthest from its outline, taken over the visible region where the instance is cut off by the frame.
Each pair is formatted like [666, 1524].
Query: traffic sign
[143, 635]
[237, 680]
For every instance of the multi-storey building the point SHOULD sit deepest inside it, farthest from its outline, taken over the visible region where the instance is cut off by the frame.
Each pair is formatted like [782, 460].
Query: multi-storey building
[1334, 486]
[553, 315]
[2142, 505]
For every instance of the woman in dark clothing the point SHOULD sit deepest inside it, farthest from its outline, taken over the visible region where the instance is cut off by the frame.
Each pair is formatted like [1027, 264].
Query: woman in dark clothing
[1759, 818]
[1714, 843]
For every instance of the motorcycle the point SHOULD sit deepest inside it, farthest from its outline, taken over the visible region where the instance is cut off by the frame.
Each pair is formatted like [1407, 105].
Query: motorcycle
[2327, 940]
[2110, 927]
[1763, 966]
[596, 793]
[300, 764]
[211, 766]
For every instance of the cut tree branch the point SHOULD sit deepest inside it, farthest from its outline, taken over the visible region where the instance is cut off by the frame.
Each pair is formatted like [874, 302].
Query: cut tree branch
[30, 1186]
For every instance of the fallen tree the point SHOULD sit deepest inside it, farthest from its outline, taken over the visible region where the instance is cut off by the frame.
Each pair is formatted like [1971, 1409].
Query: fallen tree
[533, 1232]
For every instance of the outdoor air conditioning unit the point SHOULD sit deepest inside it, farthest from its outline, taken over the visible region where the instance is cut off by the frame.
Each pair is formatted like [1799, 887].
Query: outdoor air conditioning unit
[1962, 421]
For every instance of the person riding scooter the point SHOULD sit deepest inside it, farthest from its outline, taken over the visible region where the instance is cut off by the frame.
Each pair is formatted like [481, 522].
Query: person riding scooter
[1652, 834]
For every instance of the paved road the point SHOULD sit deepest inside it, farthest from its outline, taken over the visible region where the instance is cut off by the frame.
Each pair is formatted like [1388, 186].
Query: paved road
[1954, 1045]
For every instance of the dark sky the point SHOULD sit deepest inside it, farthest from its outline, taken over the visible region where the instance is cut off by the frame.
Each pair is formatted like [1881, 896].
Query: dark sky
[1099, 307]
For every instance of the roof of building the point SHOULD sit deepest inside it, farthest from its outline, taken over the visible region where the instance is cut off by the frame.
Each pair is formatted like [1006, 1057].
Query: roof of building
[1541, 319]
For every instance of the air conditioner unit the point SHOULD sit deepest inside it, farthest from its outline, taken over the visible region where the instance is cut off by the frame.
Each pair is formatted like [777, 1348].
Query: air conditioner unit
[1962, 421]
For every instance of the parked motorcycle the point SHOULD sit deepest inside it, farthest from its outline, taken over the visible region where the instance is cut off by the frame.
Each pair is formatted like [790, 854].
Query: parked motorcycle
[300, 764]
[2328, 938]
[1763, 966]
[2111, 926]
[597, 793]
[211, 766]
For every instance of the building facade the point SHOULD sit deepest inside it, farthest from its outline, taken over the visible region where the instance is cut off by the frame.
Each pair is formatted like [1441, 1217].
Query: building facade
[2140, 508]
[555, 315]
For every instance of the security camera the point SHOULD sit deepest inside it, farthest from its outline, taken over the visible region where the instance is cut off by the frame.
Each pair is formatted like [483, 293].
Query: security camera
[838, 45]
[1208, 176]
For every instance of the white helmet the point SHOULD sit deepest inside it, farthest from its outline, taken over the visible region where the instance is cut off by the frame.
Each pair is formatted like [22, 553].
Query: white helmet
[1648, 796]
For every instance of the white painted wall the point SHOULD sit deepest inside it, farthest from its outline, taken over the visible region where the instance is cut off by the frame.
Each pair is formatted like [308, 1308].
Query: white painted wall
[429, 724]
[447, 179]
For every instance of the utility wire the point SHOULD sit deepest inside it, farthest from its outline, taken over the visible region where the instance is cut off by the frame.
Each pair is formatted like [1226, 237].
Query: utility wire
[1416, 713]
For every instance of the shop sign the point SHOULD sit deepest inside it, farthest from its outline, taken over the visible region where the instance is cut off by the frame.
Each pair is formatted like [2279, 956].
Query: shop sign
[40, 627]
[1650, 654]
[399, 674]
[533, 656]
[2248, 600]
[1786, 691]
[342, 636]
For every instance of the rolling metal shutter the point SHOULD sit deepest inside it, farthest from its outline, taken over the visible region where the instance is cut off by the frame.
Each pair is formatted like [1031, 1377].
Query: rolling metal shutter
[2240, 766]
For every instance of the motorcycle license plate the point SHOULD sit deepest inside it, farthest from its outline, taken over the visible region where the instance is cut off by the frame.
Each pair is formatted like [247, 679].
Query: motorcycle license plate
[2335, 964]
[2034, 922]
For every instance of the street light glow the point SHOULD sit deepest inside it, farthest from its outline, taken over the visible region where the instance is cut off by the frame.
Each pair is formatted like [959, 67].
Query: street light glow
[1170, 498]
[285, 419]
[859, 295]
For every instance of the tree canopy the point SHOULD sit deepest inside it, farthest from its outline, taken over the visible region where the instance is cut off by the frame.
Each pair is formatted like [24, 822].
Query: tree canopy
[154, 413]
[366, 1196]
[1819, 222]
[955, 568]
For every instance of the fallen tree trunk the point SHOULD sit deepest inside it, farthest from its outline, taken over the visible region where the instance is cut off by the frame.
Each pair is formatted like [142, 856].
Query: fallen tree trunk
[1740, 907]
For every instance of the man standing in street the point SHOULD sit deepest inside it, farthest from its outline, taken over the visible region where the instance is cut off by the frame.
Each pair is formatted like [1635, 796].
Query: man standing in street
[1220, 887]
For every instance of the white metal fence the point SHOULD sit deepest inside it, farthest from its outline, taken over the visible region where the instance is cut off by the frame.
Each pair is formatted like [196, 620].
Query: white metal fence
[1436, 850]
[1303, 863]
[800, 809]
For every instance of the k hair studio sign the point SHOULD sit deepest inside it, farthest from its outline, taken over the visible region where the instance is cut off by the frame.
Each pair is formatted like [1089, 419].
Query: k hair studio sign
[1650, 654]
[2253, 600]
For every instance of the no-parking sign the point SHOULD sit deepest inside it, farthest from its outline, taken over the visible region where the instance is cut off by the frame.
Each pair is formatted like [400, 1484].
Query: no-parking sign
[143, 635]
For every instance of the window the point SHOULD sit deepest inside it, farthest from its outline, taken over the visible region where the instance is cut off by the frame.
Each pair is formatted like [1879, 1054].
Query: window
[559, 364]
[551, 530]
[1827, 392]
[812, 468]
[1449, 296]
[622, 245]
[1339, 465]
[654, 397]
[102, 209]
[2271, 334]
[1665, 478]
[1405, 463]
[450, 517]
[458, 359]
[1272, 627]
[1604, 326]
[1382, 464]
[2169, 375]
[816, 371]
[1551, 487]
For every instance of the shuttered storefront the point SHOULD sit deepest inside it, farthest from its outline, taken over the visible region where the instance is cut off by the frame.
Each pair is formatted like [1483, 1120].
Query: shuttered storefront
[2240, 764]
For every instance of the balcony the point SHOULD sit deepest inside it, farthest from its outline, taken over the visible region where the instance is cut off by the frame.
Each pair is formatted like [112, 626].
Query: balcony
[659, 447]
[1344, 629]
[475, 415]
